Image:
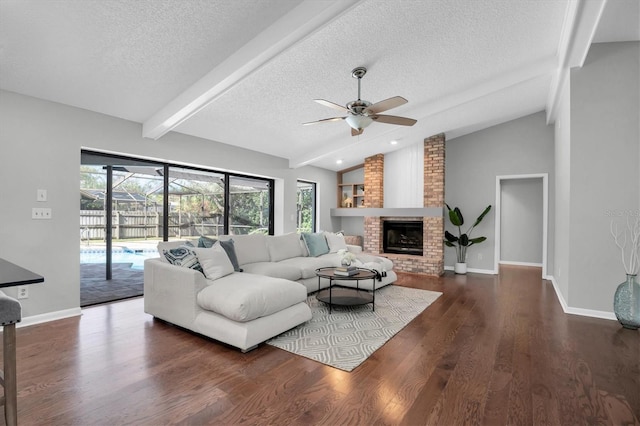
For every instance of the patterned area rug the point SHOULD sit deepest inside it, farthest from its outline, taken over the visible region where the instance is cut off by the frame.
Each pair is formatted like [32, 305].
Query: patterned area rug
[349, 335]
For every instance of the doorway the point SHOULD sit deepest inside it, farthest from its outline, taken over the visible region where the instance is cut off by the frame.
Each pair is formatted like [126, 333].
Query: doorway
[522, 211]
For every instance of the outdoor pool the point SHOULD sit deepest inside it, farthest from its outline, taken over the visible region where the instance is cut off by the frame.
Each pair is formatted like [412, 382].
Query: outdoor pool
[119, 255]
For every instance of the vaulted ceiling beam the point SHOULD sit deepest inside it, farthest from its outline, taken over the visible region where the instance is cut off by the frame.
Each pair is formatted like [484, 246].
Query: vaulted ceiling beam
[580, 25]
[299, 23]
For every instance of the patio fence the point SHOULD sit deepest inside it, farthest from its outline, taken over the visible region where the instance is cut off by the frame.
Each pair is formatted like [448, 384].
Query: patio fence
[138, 225]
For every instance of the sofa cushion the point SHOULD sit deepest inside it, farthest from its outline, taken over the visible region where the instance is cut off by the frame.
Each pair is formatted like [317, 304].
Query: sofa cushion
[283, 246]
[335, 242]
[316, 243]
[308, 265]
[249, 248]
[373, 266]
[245, 297]
[183, 256]
[230, 248]
[215, 262]
[274, 269]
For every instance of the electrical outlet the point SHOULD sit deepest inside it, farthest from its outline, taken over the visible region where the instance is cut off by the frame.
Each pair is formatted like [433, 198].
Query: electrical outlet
[41, 213]
[23, 292]
[479, 256]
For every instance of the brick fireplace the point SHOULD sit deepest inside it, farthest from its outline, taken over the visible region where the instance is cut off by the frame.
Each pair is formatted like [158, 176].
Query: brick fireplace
[432, 260]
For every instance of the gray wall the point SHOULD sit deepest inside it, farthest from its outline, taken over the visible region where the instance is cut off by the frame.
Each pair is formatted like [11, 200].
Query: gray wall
[40, 145]
[604, 169]
[518, 147]
[521, 220]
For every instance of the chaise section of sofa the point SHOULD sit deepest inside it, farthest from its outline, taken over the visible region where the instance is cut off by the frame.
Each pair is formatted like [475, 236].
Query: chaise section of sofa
[184, 297]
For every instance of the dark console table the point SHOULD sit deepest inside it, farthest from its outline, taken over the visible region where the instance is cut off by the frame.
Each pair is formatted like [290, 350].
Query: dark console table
[346, 296]
[10, 313]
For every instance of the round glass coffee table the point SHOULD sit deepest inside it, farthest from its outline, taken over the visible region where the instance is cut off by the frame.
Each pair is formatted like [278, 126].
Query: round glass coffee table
[340, 295]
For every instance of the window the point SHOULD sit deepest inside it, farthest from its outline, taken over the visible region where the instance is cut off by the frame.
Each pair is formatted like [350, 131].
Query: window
[250, 206]
[196, 203]
[306, 206]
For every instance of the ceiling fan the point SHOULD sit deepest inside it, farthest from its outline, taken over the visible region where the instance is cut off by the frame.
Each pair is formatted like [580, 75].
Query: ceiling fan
[362, 113]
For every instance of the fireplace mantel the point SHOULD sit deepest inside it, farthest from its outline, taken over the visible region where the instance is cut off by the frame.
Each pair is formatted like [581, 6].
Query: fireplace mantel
[395, 212]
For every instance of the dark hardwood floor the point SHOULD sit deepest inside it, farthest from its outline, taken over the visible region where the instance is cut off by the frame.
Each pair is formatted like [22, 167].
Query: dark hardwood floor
[491, 350]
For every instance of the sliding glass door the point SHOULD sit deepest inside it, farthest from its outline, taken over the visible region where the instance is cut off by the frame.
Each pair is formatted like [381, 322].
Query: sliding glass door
[120, 225]
[128, 205]
[196, 204]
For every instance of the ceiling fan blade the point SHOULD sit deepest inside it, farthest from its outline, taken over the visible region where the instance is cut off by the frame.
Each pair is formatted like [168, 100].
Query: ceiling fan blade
[325, 120]
[355, 132]
[392, 119]
[387, 104]
[331, 105]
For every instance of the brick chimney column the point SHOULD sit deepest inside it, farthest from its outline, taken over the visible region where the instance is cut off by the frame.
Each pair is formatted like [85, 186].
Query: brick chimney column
[434, 197]
[374, 190]
[374, 181]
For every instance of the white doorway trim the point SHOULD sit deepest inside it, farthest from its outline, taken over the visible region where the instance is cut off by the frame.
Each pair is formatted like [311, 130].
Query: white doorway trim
[545, 216]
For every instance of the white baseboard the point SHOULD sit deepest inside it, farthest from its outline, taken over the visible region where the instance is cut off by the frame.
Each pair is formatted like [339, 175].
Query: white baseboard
[508, 262]
[578, 311]
[49, 316]
[475, 271]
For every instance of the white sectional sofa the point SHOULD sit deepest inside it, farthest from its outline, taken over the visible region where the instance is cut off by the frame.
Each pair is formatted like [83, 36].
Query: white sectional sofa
[246, 308]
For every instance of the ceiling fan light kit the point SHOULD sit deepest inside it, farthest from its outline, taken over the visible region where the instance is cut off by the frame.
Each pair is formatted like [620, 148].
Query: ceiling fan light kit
[358, 122]
[361, 113]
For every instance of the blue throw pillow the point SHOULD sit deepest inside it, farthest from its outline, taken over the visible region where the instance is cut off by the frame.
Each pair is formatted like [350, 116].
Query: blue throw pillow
[206, 242]
[230, 248]
[316, 243]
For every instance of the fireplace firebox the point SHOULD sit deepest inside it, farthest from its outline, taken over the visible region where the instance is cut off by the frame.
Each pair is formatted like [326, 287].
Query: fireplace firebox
[402, 236]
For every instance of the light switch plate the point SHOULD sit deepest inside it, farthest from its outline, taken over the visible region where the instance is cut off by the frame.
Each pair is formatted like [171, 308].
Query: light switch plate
[42, 195]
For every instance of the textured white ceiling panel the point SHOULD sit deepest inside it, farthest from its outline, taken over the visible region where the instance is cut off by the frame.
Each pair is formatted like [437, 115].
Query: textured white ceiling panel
[462, 64]
[122, 57]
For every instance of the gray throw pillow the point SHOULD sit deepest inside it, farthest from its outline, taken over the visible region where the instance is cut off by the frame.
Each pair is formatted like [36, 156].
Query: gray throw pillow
[316, 243]
[230, 248]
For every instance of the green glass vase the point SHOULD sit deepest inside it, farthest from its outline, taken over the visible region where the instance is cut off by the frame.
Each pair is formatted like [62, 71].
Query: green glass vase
[626, 303]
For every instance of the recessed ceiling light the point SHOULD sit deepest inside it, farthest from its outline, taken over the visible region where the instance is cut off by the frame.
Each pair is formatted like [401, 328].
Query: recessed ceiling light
[394, 142]
[339, 162]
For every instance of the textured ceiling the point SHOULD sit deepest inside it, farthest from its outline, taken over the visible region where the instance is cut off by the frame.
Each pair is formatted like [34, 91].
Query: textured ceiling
[463, 65]
[125, 58]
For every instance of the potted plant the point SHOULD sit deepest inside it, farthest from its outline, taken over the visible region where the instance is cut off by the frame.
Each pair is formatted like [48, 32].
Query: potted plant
[463, 241]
